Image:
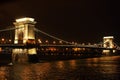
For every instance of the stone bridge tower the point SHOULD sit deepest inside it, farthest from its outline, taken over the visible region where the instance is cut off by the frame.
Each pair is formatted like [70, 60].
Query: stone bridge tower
[24, 31]
[108, 43]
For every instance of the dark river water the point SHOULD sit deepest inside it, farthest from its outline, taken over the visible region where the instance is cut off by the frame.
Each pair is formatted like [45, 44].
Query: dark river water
[103, 68]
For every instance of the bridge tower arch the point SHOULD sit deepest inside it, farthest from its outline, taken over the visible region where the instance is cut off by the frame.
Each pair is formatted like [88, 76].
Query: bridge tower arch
[108, 43]
[24, 31]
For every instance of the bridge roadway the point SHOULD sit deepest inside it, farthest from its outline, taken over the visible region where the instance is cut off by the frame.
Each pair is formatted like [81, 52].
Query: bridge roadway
[46, 45]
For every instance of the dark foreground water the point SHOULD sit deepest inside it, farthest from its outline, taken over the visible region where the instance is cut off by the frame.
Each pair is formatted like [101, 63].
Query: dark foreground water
[104, 68]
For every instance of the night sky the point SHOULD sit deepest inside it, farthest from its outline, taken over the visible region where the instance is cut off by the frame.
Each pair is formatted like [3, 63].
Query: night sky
[71, 20]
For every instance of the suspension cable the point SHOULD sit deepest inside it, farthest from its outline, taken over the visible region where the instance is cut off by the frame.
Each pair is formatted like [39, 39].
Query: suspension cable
[37, 30]
[118, 47]
[9, 29]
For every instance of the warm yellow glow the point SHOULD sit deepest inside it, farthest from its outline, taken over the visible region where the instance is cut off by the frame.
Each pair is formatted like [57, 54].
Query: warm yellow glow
[52, 49]
[3, 39]
[106, 51]
[25, 19]
[32, 51]
[76, 49]
[39, 41]
[54, 42]
[46, 41]
[9, 40]
[19, 51]
[0, 49]
[60, 42]
[73, 64]
[31, 37]
[25, 40]
[108, 43]
[15, 42]
[108, 37]
[25, 31]
[60, 65]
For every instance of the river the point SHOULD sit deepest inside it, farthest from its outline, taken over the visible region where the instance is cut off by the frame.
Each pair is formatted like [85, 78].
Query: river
[102, 68]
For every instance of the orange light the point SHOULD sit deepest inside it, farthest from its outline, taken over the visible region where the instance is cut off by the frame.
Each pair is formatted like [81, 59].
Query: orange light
[3, 39]
[9, 40]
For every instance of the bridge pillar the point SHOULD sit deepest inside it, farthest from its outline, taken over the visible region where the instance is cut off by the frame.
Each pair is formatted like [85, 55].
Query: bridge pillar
[108, 43]
[24, 31]
[24, 34]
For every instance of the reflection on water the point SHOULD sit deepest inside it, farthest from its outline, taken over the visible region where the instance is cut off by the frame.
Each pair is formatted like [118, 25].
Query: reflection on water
[73, 64]
[60, 65]
[103, 68]
[4, 73]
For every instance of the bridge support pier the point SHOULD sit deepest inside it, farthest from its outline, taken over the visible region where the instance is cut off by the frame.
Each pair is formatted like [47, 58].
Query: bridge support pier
[24, 34]
[19, 55]
[24, 55]
[32, 55]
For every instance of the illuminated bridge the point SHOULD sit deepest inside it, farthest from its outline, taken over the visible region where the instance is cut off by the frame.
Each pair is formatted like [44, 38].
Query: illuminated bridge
[52, 45]
[27, 36]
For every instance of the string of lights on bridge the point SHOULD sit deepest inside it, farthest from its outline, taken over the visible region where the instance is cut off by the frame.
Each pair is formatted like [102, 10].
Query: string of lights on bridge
[59, 41]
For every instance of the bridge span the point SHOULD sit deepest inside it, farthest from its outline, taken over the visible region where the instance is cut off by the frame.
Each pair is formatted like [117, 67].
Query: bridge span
[25, 37]
[51, 45]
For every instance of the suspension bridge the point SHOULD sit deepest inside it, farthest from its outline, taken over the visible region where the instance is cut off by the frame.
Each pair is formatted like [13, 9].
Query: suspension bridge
[24, 37]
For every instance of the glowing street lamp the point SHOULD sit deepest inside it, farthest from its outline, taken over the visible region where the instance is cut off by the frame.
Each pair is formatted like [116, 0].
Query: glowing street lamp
[39, 41]
[54, 42]
[3, 39]
[46, 41]
[60, 42]
[10, 40]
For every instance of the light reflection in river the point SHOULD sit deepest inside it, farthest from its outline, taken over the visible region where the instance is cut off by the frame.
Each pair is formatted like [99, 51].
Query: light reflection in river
[73, 64]
[60, 65]
[103, 68]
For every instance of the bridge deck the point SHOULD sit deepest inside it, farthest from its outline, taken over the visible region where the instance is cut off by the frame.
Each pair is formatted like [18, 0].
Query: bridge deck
[45, 45]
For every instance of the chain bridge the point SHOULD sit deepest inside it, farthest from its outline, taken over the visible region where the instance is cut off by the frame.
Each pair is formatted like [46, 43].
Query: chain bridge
[25, 35]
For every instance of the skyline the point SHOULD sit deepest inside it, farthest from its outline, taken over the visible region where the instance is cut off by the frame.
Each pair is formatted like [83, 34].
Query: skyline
[81, 21]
